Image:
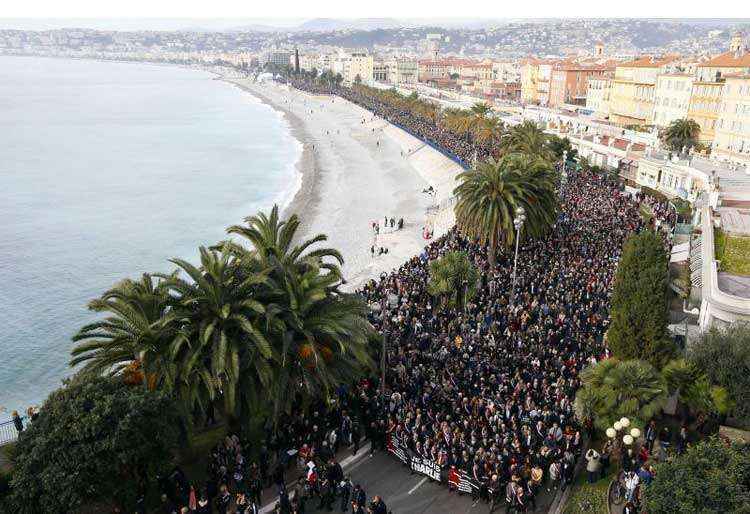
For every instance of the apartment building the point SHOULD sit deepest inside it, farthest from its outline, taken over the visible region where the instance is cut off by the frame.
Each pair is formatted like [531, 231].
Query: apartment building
[569, 82]
[634, 89]
[536, 75]
[732, 136]
[672, 97]
[598, 96]
[403, 71]
[705, 105]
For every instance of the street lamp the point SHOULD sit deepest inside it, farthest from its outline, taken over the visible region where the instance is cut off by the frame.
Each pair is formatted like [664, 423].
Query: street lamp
[518, 223]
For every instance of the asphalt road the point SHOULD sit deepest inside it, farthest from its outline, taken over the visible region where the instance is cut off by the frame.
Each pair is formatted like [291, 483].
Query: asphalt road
[406, 493]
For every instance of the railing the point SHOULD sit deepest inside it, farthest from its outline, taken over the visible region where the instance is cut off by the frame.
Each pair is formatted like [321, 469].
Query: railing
[429, 143]
[8, 432]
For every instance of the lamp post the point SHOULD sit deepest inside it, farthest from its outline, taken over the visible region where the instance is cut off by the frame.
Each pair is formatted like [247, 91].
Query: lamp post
[384, 333]
[622, 443]
[518, 223]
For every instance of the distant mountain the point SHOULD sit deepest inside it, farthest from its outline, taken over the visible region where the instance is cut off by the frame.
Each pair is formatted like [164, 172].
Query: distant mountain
[331, 24]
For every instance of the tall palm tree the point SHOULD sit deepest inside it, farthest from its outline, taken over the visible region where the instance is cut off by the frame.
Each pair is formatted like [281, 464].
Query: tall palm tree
[321, 338]
[273, 239]
[488, 131]
[135, 335]
[453, 277]
[682, 133]
[529, 139]
[613, 389]
[489, 195]
[222, 318]
[320, 335]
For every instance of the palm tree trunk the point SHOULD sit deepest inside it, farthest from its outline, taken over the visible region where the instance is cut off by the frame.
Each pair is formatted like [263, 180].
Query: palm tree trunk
[492, 250]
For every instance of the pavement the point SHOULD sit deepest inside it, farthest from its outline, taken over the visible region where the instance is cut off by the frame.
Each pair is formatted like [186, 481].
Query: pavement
[404, 492]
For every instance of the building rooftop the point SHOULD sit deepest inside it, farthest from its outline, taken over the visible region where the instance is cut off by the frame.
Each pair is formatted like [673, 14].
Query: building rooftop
[728, 60]
[650, 62]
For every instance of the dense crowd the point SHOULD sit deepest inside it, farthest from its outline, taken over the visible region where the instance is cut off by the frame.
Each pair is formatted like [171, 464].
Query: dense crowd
[490, 390]
[487, 390]
[460, 147]
[306, 446]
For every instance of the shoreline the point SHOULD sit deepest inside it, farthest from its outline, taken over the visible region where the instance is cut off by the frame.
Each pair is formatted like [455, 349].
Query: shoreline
[355, 168]
[305, 195]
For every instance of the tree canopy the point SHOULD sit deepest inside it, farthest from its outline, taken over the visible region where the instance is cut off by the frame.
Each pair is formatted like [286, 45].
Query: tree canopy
[613, 389]
[724, 356]
[95, 439]
[712, 476]
[640, 310]
[682, 133]
[489, 196]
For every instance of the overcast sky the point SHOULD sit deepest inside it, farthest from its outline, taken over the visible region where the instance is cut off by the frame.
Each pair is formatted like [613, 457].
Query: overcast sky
[291, 12]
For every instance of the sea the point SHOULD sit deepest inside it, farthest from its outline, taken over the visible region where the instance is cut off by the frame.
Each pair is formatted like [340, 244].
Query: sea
[107, 170]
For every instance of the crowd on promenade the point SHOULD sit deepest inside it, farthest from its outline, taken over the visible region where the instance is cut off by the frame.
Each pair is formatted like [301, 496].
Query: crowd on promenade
[425, 128]
[486, 391]
[298, 462]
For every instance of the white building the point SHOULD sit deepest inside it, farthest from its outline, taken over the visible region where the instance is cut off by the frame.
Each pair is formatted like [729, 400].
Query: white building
[672, 97]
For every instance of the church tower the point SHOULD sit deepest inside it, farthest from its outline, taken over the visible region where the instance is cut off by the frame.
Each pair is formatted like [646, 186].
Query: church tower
[737, 43]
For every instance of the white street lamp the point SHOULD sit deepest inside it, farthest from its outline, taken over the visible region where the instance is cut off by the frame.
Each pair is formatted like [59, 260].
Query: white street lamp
[635, 433]
[627, 439]
[611, 433]
[625, 422]
[518, 223]
[618, 426]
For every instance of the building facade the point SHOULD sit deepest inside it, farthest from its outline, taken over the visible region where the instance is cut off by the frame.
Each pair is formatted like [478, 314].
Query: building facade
[732, 135]
[672, 98]
[634, 89]
[598, 96]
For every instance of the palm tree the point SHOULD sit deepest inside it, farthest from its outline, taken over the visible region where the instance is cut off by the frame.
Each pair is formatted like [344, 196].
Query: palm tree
[489, 196]
[453, 277]
[681, 134]
[613, 389]
[488, 131]
[529, 139]
[319, 334]
[321, 338]
[693, 389]
[273, 240]
[458, 121]
[222, 338]
[134, 337]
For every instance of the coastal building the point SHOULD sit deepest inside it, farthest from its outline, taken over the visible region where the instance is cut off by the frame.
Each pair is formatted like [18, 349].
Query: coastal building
[705, 104]
[506, 71]
[279, 58]
[569, 82]
[403, 71]
[598, 96]
[360, 67]
[708, 89]
[736, 60]
[536, 75]
[634, 89]
[732, 134]
[672, 97]
[380, 71]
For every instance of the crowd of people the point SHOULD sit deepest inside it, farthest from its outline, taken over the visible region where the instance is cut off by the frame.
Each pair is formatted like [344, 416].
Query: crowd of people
[486, 390]
[460, 147]
[306, 446]
[489, 390]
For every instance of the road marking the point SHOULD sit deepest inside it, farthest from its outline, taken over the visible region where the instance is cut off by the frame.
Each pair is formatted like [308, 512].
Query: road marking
[347, 462]
[418, 485]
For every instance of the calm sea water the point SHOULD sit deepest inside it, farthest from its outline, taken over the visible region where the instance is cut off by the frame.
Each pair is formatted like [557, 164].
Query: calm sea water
[106, 171]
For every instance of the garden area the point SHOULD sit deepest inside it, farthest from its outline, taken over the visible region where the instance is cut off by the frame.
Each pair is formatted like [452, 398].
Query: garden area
[733, 253]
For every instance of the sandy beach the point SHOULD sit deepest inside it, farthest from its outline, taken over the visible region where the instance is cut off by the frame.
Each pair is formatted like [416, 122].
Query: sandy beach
[356, 170]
